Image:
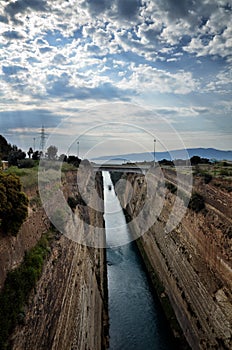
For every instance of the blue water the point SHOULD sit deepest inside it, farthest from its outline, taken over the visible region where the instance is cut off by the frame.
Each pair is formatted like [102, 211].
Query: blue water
[136, 318]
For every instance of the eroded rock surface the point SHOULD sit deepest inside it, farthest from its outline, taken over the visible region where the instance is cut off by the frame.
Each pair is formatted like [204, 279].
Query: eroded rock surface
[193, 262]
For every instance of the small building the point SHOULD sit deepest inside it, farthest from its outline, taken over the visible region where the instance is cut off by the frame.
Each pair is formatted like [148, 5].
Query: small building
[4, 164]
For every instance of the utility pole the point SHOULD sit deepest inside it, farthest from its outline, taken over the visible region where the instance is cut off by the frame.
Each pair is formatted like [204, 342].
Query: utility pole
[34, 144]
[43, 136]
[154, 151]
[78, 145]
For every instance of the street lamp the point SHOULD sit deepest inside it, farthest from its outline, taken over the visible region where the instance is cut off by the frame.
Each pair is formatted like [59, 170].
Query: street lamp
[154, 151]
[78, 149]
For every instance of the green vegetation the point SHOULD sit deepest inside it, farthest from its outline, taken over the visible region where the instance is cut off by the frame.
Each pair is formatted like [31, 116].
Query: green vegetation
[68, 167]
[18, 285]
[198, 160]
[171, 187]
[15, 156]
[28, 176]
[197, 202]
[5, 148]
[13, 204]
[26, 163]
[207, 178]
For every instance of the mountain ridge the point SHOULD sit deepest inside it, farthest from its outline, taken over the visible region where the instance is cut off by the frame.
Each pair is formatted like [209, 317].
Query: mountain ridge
[210, 153]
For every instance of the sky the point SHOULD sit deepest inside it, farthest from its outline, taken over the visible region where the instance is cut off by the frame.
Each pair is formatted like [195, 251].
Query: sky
[110, 76]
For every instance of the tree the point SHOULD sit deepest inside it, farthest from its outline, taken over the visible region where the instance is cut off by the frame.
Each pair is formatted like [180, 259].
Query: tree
[63, 158]
[74, 160]
[195, 160]
[5, 148]
[198, 160]
[13, 204]
[30, 152]
[36, 155]
[15, 155]
[52, 152]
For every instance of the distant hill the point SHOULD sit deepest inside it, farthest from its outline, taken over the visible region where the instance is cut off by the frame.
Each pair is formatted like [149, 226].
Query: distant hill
[209, 153]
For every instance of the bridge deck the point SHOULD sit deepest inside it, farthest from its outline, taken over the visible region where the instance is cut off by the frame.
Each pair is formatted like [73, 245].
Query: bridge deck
[122, 168]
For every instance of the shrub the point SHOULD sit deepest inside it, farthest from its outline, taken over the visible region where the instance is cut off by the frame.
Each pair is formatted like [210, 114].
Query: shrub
[196, 203]
[171, 187]
[72, 202]
[225, 172]
[207, 178]
[26, 163]
[13, 204]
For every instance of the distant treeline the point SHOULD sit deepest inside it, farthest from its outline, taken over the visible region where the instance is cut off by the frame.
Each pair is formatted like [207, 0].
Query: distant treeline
[15, 156]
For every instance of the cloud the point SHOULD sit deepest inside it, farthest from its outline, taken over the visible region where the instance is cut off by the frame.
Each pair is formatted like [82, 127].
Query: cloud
[3, 19]
[128, 9]
[147, 51]
[177, 9]
[21, 6]
[30, 118]
[12, 34]
[95, 7]
[12, 70]
[146, 78]
[60, 87]
[45, 49]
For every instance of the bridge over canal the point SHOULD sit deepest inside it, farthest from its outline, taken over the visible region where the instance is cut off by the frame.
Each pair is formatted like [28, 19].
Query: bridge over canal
[122, 168]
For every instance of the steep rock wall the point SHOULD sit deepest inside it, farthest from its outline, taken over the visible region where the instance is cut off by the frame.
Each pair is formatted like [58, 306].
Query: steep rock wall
[193, 262]
[68, 308]
[12, 249]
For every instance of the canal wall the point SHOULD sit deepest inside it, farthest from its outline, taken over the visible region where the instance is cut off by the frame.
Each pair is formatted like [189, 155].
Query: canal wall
[68, 307]
[191, 266]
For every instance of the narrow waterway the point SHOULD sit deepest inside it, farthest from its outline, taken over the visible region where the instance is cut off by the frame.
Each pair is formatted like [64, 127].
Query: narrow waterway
[136, 318]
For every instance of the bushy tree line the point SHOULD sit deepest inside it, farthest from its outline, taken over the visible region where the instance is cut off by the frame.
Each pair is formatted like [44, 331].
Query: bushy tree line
[13, 204]
[10, 153]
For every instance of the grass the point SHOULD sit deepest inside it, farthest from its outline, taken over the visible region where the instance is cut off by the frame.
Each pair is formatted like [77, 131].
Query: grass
[28, 176]
[216, 170]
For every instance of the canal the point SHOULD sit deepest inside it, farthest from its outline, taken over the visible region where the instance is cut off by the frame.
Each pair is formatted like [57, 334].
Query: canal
[136, 318]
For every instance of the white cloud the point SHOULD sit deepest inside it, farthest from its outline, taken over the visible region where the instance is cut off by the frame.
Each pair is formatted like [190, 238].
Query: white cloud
[146, 78]
[72, 53]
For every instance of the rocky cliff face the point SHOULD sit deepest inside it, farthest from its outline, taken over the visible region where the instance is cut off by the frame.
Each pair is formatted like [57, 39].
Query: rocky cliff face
[12, 249]
[68, 308]
[193, 262]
